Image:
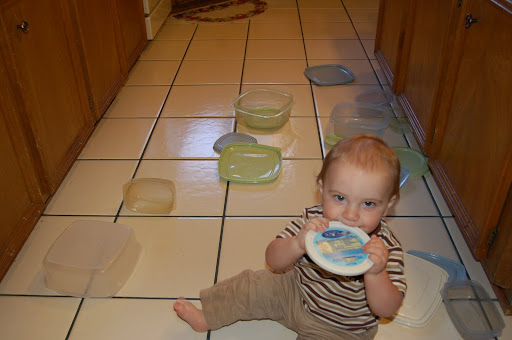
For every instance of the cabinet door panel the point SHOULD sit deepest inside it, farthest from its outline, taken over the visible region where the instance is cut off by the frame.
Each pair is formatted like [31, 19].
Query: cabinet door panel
[133, 30]
[390, 37]
[475, 148]
[48, 83]
[101, 50]
[431, 20]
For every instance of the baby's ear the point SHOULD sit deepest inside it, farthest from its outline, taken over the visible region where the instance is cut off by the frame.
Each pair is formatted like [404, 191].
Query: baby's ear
[320, 186]
[392, 201]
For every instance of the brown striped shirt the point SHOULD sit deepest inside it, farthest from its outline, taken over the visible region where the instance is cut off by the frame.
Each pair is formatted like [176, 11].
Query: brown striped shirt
[341, 300]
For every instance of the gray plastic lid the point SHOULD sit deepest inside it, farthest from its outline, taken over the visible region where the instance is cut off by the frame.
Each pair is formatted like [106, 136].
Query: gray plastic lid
[232, 137]
[471, 310]
[330, 74]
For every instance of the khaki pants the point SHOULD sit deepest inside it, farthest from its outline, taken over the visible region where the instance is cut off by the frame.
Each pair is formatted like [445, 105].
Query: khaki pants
[264, 295]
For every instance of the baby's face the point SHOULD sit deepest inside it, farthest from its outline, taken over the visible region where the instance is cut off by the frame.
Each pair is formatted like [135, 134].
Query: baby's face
[355, 197]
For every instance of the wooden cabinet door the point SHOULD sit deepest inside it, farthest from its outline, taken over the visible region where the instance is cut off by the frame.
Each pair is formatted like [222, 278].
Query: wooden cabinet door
[425, 57]
[45, 73]
[132, 30]
[101, 47]
[18, 208]
[389, 41]
[471, 154]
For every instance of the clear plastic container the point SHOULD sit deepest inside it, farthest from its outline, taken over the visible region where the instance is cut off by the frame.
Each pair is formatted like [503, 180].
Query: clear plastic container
[149, 195]
[471, 310]
[91, 259]
[263, 109]
[349, 119]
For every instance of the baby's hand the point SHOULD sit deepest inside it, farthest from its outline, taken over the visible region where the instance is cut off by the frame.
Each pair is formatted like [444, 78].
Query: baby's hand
[378, 254]
[316, 224]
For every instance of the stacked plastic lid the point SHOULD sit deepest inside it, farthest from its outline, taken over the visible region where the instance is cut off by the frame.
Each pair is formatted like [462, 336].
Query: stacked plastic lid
[455, 270]
[424, 282]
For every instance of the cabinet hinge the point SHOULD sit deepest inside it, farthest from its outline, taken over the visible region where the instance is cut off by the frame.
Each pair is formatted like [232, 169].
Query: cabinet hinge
[90, 104]
[492, 237]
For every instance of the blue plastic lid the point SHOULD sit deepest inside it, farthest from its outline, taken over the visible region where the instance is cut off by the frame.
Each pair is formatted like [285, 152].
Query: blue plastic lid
[455, 270]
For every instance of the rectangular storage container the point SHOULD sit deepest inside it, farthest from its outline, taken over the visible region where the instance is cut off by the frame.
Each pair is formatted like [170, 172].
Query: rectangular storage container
[91, 259]
[263, 109]
[351, 119]
[471, 310]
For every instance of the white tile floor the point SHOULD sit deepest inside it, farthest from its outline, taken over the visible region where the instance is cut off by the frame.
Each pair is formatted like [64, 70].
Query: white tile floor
[163, 123]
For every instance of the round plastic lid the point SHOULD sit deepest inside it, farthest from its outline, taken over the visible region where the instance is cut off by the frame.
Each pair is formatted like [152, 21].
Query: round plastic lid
[412, 160]
[339, 249]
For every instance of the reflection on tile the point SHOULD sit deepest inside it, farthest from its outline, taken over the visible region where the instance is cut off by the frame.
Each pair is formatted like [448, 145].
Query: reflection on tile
[380, 73]
[131, 319]
[369, 47]
[92, 188]
[221, 31]
[32, 317]
[201, 101]
[281, 197]
[277, 15]
[118, 139]
[153, 72]
[176, 30]
[197, 72]
[138, 102]
[366, 30]
[244, 242]
[187, 137]
[328, 30]
[275, 49]
[363, 14]
[275, 31]
[220, 49]
[423, 233]
[302, 97]
[178, 258]
[258, 71]
[319, 4]
[324, 15]
[294, 138]
[334, 49]
[26, 274]
[164, 50]
[196, 182]
[361, 3]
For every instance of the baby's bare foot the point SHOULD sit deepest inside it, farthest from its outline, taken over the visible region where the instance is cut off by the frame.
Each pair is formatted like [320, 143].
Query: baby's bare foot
[191, 315]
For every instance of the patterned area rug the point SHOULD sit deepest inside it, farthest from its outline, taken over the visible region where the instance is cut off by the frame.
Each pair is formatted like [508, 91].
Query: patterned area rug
[224, 12]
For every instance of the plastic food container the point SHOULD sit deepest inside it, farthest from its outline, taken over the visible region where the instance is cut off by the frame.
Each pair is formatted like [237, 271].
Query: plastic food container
[350, 119]
[91, 259]
[232, 137]
[471, 310]
[376, 97]
[455, 270]
[263, 109]
[149, 195]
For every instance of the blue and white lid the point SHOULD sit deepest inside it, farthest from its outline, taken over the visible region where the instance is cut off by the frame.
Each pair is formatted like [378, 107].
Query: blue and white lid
[339, 249]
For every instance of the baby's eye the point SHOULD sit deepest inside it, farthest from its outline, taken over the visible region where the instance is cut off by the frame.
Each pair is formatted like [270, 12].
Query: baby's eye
[369, 204]
[339, 198]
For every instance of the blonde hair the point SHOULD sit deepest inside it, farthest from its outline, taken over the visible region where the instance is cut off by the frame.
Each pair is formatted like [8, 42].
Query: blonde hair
[367, 152]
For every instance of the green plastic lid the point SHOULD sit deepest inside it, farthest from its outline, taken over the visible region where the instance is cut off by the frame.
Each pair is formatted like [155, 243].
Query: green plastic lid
[249, 163]
[412, 160]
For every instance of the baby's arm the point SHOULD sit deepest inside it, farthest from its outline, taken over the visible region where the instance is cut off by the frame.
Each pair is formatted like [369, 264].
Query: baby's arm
[282, 253]
[382, 295]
